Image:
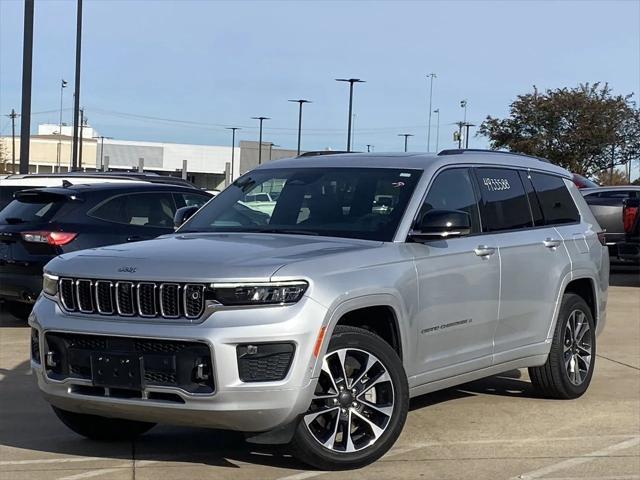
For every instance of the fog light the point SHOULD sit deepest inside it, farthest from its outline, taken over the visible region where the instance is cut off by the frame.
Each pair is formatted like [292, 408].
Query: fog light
[50, 360]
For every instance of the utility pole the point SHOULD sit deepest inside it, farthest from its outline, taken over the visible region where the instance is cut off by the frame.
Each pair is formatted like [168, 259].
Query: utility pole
[27, 70]
[437, 112]
[406, 138]
[351, 81]
[431, 76]
[261, 119]
[466, 138]
[63, 85]
[300, 101]
[76, 98]
[369, 147]
[13, 116]
[233, 147]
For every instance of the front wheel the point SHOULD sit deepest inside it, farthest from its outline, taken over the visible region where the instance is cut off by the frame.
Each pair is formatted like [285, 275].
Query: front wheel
[359, 406]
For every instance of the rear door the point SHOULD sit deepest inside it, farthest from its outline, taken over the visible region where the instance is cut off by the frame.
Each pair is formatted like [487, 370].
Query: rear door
[532, 257]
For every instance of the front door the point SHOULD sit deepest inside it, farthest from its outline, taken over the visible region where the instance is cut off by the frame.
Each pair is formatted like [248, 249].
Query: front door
[458, 282]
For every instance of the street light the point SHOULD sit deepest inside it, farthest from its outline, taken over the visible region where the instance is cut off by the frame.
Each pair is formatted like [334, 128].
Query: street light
[102, 137]
[351, 81]
[233, 147]
[63, 85]
[406, 138]
[261, 119]
[300, 101]
[437, 112]
[431, 76]
[463, 104]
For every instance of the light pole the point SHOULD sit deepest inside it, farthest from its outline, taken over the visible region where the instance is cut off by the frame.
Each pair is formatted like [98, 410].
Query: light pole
[406, 138]
[351, 81]
[463, 104]
[261, 119]
[102, 137]
[431, 76]
[437, 112]
[76, 98]
[369, 147]
[466, 138]
[300, 101]
[233, 147]
[27, 73]
[63, 85]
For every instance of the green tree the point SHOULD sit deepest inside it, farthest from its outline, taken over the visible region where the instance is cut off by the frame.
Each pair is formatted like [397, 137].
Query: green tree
[585, 129]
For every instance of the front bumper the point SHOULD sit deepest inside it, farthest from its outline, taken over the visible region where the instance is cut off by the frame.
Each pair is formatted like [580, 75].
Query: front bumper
[234, 405]
[20, 285]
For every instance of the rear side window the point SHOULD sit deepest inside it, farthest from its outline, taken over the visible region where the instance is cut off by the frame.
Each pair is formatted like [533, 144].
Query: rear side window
[31, 209]
[190, 199]
[504, 204]
[143, 209]
[556, 202]
[453, 190]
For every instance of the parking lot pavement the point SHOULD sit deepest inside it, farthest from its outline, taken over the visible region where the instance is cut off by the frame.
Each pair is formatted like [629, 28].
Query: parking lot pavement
[490, 429]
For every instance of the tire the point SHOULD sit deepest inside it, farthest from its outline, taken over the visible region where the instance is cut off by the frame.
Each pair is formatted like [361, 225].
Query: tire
[375, 371]
[99, 428]
[571, 362]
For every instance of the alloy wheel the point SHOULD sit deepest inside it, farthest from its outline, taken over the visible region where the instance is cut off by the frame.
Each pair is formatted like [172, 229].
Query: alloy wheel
[353, 401]
[577, 347]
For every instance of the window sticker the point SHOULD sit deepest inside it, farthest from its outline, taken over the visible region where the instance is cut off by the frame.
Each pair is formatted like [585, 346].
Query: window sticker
[405, 174]
[496, 184]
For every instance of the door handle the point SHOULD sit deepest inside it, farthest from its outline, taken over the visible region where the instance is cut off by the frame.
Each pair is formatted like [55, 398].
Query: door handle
[484, 251]
[551, 243]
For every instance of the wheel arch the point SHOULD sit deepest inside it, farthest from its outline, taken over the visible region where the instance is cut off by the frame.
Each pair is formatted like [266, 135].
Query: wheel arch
[580, 284]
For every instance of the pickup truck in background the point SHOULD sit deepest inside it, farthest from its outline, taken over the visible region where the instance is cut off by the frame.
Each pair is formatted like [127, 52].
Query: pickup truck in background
[607, 204]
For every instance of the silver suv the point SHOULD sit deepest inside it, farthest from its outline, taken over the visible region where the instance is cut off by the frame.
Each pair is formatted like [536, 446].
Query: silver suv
[370, 279]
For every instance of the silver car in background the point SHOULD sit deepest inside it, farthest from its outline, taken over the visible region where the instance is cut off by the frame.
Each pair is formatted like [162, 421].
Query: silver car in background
[374, 278]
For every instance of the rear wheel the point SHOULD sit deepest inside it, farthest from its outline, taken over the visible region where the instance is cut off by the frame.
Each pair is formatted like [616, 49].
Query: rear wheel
[359, 406]
[102, 428]
[569, 367]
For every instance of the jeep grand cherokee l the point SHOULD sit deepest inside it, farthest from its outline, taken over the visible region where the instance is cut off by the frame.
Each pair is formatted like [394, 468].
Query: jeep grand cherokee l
[314, 324]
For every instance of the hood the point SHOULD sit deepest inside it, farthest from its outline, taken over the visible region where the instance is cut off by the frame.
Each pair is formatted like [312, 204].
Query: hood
[201, 257]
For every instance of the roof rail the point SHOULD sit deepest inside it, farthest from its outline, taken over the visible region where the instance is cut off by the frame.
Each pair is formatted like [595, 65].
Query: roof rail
[460, 151]
[322, 152]
[145, 177]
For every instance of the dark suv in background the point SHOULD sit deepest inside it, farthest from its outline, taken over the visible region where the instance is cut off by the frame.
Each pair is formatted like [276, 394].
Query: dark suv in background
[44, 222]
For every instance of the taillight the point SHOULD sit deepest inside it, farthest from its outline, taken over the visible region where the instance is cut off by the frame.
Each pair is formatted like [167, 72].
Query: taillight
[601, 239]
[629, 215]
[52, 238]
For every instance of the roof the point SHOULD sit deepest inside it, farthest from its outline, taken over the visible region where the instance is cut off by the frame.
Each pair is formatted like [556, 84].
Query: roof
[418, 161]
[116, 187]
[613, 188]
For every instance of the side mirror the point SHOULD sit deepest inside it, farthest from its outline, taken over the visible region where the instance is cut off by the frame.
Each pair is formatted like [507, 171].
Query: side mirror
[442, 224]
[183, 214]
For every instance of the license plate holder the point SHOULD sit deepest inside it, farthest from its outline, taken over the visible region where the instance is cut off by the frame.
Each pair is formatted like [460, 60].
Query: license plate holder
[116, 370]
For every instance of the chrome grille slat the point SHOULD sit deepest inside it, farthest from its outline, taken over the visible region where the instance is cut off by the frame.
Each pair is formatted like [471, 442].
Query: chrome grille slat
[124, 299]
[132, 298]
[84, 295]
[104, 297]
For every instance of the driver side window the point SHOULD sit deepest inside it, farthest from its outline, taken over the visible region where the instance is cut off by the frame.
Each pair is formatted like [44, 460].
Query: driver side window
[452, 190]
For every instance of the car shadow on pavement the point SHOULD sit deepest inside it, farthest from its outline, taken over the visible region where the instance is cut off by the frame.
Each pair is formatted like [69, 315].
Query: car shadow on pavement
[28, 423]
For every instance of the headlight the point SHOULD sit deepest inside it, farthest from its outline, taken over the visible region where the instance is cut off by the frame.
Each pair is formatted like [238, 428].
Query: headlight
[280, 293]
[50, 284]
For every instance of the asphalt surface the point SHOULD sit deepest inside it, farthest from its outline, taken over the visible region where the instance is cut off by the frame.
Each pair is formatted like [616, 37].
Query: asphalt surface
[496, 428]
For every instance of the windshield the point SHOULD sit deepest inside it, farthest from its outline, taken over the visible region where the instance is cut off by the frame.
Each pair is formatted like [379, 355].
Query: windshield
[365, 203]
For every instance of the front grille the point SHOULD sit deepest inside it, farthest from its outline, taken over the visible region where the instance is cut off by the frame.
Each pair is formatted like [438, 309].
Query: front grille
[180, 364]
[126, 298]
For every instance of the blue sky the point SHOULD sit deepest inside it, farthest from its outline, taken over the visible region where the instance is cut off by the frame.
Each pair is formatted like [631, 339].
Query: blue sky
[217, 64]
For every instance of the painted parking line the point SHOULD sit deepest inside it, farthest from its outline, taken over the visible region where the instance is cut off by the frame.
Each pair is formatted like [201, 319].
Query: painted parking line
[572, 462]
